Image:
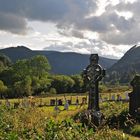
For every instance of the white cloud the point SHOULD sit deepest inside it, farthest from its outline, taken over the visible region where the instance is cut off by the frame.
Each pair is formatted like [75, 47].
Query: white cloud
[71, 25]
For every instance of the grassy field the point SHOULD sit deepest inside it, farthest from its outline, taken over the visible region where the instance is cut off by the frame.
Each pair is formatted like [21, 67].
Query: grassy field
[37, 123]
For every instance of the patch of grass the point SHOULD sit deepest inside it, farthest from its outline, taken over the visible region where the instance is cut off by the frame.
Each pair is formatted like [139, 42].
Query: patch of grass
[135, 130]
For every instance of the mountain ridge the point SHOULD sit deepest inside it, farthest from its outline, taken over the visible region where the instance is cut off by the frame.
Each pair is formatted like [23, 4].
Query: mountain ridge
[62, 62]
[128, 66]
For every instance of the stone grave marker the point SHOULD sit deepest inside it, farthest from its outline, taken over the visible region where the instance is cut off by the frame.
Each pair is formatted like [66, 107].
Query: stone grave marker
[126, 96]
[113, 97]
[52, 102]
[66, 105]
[134, 96]
[92, 75]
[60, 102]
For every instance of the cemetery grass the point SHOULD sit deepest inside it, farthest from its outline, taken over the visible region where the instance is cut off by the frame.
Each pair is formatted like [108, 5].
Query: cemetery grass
[44, 123]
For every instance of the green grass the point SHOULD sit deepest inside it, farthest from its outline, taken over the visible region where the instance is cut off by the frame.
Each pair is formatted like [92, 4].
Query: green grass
[39, 122]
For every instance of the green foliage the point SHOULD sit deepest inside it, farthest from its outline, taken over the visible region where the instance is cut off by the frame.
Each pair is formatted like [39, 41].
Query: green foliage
[52, 91]
[79, 83]
[3, 89]
[135, 130]
[62, 83]
[27, 77]
[4, 62]
[23, 88]
[31, 124]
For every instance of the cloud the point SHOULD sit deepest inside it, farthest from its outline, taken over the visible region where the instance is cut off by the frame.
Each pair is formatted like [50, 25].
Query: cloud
[87, 47]
[55, 11]
[13, 23]
[74, 18]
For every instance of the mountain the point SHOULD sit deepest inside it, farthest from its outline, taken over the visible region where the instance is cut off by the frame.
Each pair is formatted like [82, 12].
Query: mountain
[61, 62]
[127, 66]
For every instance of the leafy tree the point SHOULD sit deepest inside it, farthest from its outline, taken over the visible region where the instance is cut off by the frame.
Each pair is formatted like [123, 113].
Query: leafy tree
[28, 76]
[23, 88]
[21, 69]
[79, 83]
[62, 83]
[39, 66]
[4, 62]
[3, 89]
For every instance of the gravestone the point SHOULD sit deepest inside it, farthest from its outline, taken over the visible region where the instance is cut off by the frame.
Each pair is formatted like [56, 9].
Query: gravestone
[66, 105]
[77, 102]
[113, 97]
[52, 102]
[56, 108]
[119, 98]
[69, 102]
[134, 96]
[92, 75]
[60, 102]
[126, 96]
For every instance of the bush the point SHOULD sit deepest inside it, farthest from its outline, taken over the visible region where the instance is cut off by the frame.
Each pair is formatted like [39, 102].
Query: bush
[53, 91]
[136, 130]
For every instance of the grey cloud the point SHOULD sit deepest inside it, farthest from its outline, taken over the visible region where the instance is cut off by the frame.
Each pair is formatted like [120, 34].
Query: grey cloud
[57, 11]
[83, 47]
[70, 16]
[128, 30]
[13, 23]
[71, 32]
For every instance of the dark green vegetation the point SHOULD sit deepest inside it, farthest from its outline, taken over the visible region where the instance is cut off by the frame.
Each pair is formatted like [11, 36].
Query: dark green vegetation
[61, 63]
[32, 77]
[36, 124]
[118, 72]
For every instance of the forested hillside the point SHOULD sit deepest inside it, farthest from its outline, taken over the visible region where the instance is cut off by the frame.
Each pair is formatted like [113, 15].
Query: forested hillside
[61, 62]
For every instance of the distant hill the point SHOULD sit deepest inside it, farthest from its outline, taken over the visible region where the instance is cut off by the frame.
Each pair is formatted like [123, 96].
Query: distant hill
[127, 66]
[61, 62]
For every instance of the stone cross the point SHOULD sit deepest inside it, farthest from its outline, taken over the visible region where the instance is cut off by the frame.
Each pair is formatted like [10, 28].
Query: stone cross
[92, 75]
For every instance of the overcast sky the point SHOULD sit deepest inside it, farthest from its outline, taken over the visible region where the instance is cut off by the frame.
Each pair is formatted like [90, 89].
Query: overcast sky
[106, 27]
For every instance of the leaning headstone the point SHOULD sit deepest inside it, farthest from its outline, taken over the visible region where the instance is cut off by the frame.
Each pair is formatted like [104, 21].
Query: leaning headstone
[60, 102]
[52, 102]
[113, 98]
[66, 105]
[134, 96]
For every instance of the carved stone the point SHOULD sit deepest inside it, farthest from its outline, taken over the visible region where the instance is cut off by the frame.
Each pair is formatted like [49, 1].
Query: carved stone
[134, 103]
[92, 75]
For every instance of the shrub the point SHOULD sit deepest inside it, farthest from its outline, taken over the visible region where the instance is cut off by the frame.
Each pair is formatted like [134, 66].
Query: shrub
[53, 91]
[136, 130]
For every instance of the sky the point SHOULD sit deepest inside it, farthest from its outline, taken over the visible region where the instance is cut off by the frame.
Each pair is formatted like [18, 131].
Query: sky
[106, 27]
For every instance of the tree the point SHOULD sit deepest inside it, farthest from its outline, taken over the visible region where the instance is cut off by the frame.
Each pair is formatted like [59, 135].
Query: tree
[78, 83]
[62, 83]
[32, 75]
[23, 88]
[39, 66]
[3, 89]
[5, 62]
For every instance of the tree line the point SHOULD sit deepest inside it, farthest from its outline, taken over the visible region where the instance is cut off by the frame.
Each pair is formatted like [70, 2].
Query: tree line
[32, 76]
